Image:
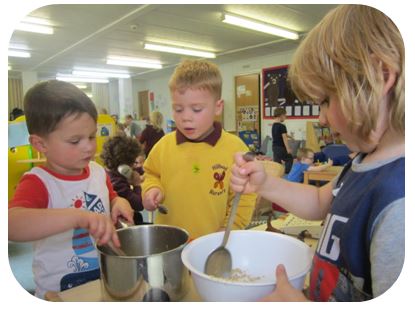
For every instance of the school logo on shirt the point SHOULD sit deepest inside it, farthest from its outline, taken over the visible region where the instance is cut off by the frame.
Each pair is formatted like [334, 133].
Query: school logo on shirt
[218, 174]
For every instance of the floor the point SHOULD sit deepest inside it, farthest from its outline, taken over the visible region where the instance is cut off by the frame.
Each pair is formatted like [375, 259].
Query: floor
[20, 259]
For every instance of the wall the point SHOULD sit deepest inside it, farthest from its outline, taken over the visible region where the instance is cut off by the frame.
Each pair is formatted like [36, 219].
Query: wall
[229, 71]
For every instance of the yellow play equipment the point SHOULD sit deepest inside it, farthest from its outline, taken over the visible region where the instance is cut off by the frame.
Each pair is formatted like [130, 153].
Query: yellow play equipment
[22, 157]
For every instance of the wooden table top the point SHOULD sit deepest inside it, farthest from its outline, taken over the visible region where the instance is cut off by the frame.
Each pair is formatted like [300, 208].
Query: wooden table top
[91, 291]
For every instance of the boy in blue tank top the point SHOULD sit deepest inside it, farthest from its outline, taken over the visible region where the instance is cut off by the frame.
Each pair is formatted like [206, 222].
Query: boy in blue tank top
[352, 65]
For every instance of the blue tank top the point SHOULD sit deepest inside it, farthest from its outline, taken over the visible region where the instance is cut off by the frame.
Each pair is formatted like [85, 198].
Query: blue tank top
[341, 265]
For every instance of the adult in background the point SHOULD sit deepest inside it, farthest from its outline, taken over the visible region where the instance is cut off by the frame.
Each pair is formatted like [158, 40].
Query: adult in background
[132, 129]
[280, 147]
[153, 132]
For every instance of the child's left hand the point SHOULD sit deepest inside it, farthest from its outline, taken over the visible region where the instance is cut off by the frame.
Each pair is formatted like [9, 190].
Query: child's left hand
[284, 291]
[121, 207]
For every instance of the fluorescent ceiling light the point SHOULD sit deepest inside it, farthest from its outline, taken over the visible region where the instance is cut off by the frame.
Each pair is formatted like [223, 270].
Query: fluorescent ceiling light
[100, 74]
[134, 62]
[81, 86]
[258, 26]
[34, 28]
[36, 21]
[179, 50]
[18, 53]
[72, 78]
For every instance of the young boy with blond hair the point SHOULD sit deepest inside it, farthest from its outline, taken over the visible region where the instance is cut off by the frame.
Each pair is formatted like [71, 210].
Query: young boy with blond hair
[188, 170]
[351, 64]
[61, 204]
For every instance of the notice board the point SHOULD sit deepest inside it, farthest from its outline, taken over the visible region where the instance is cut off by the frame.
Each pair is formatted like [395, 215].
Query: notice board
[276, 92]
[247, 102]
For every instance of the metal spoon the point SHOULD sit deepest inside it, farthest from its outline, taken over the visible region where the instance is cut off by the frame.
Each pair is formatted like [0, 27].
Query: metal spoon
[126, 171]
[162, 209]
[219, 261]
[116, 250]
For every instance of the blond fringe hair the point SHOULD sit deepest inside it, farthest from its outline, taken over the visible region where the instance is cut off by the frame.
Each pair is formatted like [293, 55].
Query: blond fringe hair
[156, 120]
[345, 55]
[197, 74]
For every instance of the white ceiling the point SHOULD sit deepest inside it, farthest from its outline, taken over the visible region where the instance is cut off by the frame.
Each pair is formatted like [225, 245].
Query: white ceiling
[85, 34]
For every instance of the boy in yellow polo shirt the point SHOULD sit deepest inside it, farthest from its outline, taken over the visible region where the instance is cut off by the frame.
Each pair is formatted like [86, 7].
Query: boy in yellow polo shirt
[188, 170]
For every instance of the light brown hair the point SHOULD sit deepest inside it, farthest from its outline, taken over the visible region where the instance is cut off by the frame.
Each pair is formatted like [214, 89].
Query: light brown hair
[197, 74]
[156, 120]
[345, 55]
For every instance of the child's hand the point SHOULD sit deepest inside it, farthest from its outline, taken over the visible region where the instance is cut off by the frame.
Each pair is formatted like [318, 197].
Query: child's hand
[152, 198]
[99, 227]
[329, 162]
[246, 177]
[120, 207]
[284, 291]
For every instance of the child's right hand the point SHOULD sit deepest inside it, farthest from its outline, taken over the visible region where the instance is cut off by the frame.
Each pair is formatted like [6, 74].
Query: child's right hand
[247, 176]
[100, 227]
[152, 198]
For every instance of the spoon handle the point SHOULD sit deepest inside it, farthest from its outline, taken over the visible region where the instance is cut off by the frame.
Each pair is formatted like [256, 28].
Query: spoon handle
[249, 156]
[235, 203]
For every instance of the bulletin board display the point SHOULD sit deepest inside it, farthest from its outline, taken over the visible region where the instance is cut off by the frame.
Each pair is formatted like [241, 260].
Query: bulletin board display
[276, 92]
[247, 102]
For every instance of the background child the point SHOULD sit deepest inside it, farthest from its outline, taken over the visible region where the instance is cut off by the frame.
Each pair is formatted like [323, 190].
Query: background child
[188, 170]
[120, 150]
[352, 65]
[280, 147]
[152, 132]
[61, 204]
[305, 157]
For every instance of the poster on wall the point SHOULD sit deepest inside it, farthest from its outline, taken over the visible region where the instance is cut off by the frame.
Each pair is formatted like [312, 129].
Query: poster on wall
[276, 92]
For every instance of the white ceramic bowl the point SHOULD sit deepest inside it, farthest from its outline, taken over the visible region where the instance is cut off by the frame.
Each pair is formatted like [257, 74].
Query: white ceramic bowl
[257, 254]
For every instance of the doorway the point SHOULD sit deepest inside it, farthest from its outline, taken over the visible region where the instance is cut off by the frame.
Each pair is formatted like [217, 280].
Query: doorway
[143, 109]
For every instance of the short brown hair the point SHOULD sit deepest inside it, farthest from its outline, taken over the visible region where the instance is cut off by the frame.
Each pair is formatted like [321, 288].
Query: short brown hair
[197, 74]
[47, 103]
[279, 111]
